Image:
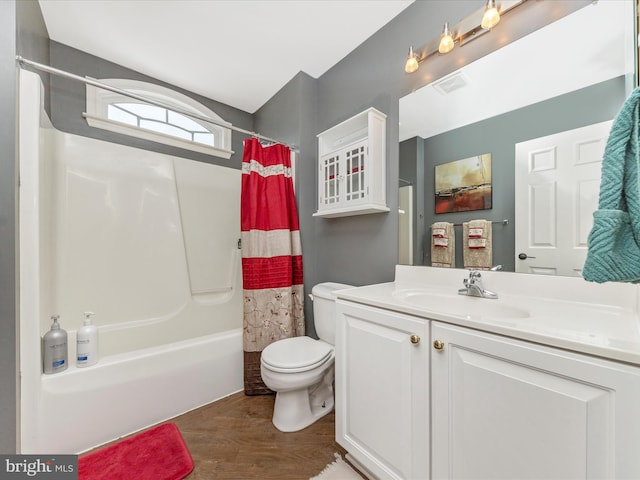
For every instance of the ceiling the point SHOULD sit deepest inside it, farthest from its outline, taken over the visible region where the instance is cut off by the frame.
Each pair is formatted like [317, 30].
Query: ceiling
[238, 52]
[589, 46]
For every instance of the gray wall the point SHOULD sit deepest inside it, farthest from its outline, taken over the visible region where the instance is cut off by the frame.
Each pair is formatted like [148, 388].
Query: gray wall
[33, 40]
[8, 231]
[361, 249]
[364, 249]
[498, 136]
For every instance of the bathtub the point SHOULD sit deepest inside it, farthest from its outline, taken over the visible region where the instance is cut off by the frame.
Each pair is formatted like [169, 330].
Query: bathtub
[149, 242]
[85, 407]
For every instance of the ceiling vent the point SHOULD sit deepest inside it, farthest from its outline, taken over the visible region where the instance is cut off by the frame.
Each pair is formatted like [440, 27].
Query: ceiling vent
[451, 83]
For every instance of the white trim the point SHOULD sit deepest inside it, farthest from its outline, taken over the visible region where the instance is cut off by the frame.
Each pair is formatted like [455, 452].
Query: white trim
[360, 209]
[154, 136]
[99, 99]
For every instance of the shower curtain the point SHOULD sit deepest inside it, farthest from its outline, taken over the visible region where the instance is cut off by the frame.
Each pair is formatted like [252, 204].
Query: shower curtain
[271, 256]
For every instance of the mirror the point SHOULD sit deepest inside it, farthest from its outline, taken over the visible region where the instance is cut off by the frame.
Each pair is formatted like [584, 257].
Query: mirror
[574, 72]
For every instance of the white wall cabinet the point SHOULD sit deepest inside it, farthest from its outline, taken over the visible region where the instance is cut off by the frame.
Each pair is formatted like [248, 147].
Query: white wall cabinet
[498, 407]
[382, 405]
[351, 166]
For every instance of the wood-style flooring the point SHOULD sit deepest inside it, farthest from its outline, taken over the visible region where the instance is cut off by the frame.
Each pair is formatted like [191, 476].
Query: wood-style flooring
[234, 438]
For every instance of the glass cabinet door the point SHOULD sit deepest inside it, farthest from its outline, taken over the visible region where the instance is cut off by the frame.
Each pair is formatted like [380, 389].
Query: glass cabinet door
[342, 175]
[330, 175]
[355, 180]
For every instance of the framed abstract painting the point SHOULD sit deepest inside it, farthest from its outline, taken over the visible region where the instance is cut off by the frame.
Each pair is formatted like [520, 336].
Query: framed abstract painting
[463, 185]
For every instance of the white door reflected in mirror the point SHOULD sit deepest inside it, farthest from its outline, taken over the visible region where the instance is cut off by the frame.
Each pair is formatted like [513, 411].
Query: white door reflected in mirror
[557, 186]
[405, 225]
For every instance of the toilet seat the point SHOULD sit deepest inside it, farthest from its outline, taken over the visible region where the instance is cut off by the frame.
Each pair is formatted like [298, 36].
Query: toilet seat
[298, 354]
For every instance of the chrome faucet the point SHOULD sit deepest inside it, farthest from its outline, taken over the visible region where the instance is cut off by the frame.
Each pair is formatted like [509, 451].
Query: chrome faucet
[473, 286]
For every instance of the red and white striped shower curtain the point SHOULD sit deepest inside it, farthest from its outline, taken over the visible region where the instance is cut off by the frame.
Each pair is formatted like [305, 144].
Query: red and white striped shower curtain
[271, 256]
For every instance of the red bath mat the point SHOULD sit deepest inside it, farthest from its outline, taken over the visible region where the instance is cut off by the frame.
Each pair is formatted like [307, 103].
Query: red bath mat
[156, 454]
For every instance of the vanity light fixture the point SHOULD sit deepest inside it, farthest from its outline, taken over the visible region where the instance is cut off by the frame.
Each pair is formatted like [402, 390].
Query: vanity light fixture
[412, 64]
[446, 40]
[468, 29]
[491, 16]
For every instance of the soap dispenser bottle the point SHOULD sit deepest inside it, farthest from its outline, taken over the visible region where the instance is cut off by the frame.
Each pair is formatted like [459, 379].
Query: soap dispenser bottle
[54, 348]
[87, 343]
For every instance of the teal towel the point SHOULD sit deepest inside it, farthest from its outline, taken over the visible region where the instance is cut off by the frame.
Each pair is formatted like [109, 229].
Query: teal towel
[613, 245]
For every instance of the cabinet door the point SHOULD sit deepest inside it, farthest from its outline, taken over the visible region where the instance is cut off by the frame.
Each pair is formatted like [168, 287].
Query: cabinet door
[343, 177]
[382, 391]
[355, 184]
[506, 409]
[329, 181]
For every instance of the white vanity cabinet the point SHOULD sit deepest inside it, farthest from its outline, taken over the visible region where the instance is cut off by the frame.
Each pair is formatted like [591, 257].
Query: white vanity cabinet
[351, 166]
[504, 408]
[382, 404]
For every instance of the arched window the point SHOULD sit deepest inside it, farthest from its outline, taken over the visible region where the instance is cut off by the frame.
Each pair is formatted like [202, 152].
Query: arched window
[118, 113]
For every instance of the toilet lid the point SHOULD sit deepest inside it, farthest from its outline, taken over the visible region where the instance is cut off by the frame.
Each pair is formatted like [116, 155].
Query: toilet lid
[296, 354]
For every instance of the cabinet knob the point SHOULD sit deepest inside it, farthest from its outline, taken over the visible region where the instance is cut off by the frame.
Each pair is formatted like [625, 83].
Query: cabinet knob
[415, 339]
[438, 344]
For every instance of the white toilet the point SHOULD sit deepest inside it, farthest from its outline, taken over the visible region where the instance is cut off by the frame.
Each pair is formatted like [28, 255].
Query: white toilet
[300, 369]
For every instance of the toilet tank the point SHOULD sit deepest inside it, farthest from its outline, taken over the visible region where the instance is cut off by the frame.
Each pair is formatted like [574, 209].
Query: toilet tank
[324, 309]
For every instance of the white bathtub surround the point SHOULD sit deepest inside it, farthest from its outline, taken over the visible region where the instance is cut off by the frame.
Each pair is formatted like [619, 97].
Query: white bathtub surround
[149, 243]
[128, 392]
[542, 382]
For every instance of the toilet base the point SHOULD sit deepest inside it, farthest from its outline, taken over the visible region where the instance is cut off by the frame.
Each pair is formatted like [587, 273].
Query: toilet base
[297, 409]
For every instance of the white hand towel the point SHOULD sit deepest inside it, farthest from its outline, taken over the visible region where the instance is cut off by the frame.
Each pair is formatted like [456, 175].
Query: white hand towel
[443, 245]
[477, 250]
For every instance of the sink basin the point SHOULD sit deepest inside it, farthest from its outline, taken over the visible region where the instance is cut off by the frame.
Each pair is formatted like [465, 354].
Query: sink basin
[459, 305]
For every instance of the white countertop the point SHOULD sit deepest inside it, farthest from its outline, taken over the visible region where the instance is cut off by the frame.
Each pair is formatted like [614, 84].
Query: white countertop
[564, 312]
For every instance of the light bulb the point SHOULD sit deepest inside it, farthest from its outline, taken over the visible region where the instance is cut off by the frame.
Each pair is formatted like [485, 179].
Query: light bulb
[446, 40]
[411, 64]
[491, 16]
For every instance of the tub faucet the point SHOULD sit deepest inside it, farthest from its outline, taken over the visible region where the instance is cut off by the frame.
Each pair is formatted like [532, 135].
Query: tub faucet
[473, 286]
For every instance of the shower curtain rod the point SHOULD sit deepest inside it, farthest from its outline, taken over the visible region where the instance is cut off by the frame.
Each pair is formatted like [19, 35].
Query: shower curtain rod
[61, 73]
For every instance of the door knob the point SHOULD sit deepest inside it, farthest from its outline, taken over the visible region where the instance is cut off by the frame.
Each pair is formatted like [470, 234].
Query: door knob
[415, 339]
[438, 344]
[524, 256]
